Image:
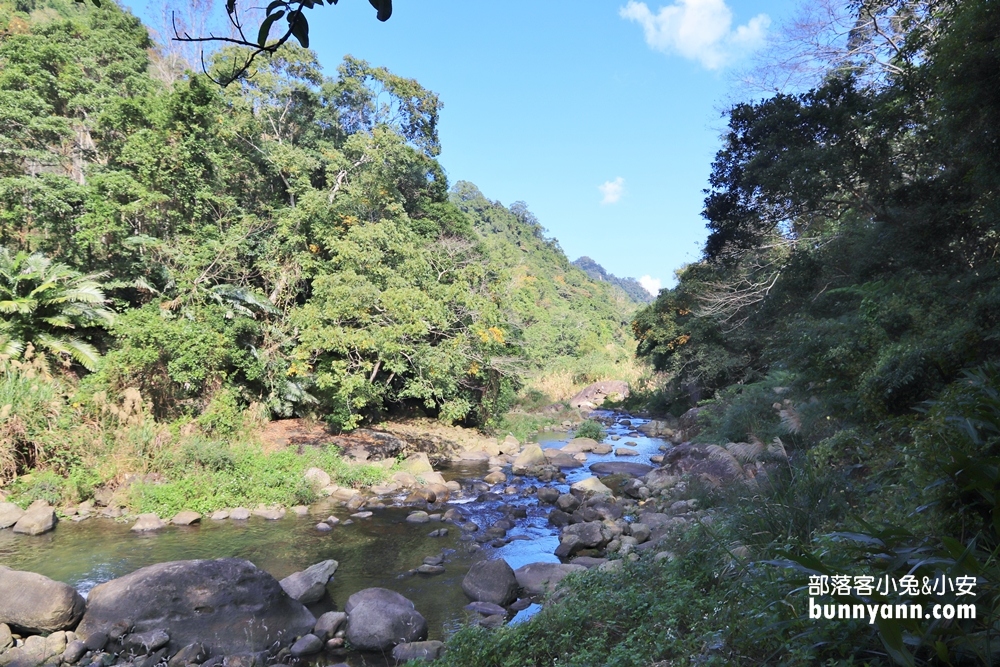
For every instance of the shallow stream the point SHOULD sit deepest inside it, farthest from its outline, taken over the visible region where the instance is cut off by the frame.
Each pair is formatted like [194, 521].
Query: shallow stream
[378, 551]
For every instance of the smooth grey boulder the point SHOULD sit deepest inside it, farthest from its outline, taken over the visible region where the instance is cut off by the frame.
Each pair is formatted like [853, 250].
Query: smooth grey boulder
[228, 605]
[378, 619]
[9, 514]
[547, 494]
[620, 468]
[309, 585]
[37, 519]
[6, 639]
[491, 581]
[186, 518]
[307, 645]
[485, 608]
[148, 522]
[328, 624]
[539, 578]
[32, 603]
[74, 651]
[431, 650]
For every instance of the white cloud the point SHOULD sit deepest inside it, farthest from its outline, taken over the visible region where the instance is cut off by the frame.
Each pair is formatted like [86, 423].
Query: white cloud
[612, 190]
[650, 284]
[698, 30]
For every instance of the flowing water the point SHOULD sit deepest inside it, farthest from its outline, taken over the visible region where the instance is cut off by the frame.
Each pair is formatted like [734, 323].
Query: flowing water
[378, 551]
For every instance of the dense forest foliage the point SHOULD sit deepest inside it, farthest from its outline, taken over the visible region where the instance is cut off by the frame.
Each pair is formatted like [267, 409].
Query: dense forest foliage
[288, 245]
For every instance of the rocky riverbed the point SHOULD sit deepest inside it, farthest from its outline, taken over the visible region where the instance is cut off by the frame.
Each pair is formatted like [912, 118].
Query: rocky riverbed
[481, 534]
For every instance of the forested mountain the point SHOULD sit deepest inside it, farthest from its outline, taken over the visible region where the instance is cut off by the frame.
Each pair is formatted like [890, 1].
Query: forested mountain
[630, 286]
[287, 243]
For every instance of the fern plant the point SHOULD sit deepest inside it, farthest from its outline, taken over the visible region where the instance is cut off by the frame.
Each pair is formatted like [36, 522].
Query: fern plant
[49, 306]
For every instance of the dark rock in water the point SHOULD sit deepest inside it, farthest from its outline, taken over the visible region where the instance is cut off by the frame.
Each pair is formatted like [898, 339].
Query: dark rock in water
[378, 619]
[588, 561]
[620, 468]
[491, 581]
[559, 518]
[485, 608]
[307, 645]
[32, 603]
[547, 494]
[431, 650]
[538, 578]
[227, 605]
[309, 585]
[567, 502]
[521, 604]
[430, 569]
[328, 624]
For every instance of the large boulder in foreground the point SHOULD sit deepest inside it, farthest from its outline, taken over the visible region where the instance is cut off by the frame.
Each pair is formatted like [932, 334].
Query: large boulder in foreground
[491, 581]
[227, 605]
[378, 619]
[32, 603]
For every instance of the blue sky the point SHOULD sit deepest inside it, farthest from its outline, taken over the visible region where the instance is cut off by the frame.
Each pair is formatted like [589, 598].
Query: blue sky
[603, 116]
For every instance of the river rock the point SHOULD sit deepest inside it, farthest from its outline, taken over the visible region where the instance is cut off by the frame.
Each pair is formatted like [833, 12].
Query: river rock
[485, 608]
[9, 514]
[316, 478]
[309, 585]
[6, 639]
[145, 642]
[37, 519]
[328, 624]
[620, 468]
[228, 605]
[430, 650]
[148, 522]
[567, 502]
[640, 532]
[491, 581]
[190, 654]
[538, 578]
[562, 459]
[416, 464]
[219, 515]
[626, 451]
[530, 457]
[590, 486]
[592, 396]
[378, 619]
[74, 651]
[185, 518]
[270, 513]
[307, 645]
[547, 494]
[418, 517]
[510, 446]
[577, 445]
[659, 479]
[30, 602]
[495, 478]
[240, 514]
[602, 448]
